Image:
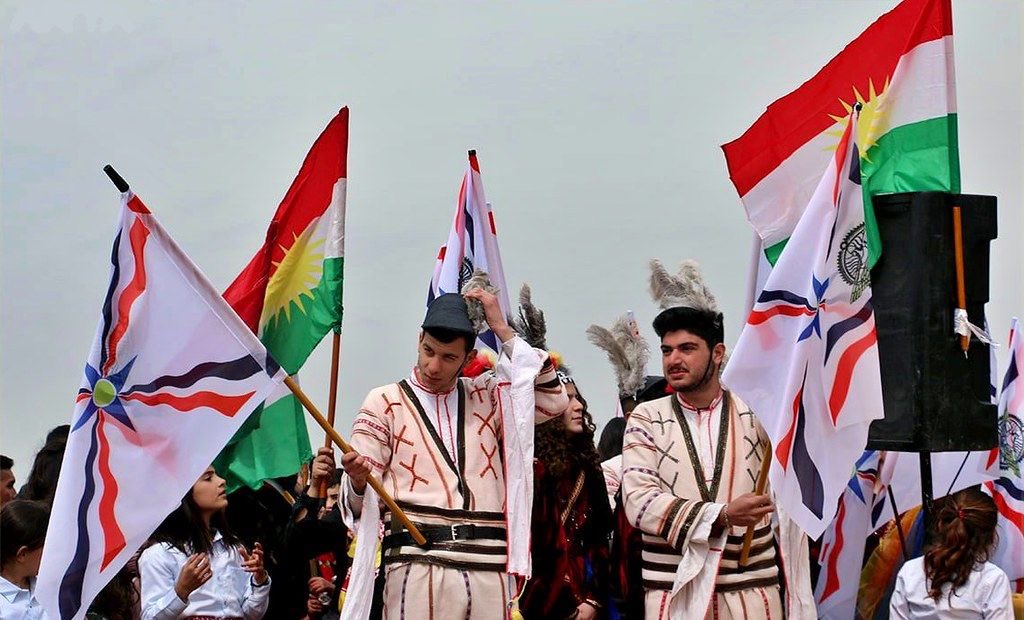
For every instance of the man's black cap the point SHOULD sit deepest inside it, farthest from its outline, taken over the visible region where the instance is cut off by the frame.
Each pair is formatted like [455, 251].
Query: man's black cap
[449, 312]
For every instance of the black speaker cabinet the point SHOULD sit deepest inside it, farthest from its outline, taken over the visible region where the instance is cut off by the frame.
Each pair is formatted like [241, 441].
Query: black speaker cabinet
[935, 398]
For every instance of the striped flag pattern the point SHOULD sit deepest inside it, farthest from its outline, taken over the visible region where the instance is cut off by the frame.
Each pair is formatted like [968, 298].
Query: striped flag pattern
[173, 373]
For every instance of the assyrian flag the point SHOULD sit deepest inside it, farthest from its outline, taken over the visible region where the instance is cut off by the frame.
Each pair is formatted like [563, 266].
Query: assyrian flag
[290, 294]
[472, 245]
[172, 375]
[901, 70]
[1008, 489]
[807, 359]
[842, 545]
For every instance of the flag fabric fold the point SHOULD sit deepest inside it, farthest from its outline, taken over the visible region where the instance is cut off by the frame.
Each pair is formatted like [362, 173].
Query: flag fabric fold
[472, 245]
[807, 359]
[1008, 489]
[900, 69]
[290, 294]
[172, 375]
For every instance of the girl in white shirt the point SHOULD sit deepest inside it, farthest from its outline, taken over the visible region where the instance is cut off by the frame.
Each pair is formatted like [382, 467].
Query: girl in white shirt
[954, 578]
[22, 532]
[198, 568]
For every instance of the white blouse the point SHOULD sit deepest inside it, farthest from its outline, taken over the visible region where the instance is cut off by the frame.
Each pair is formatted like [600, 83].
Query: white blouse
[17, 602]
[985, 595]
[230, 593]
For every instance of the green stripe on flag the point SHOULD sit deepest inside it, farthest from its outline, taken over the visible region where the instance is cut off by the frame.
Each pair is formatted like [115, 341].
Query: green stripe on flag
[916, 157]
[273, 437]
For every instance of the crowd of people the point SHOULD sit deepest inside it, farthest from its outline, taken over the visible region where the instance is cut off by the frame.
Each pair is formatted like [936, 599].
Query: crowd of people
[646, 521]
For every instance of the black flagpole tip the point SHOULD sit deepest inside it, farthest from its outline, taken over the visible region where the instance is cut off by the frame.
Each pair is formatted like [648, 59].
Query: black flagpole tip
[118, 181]
[472, 152]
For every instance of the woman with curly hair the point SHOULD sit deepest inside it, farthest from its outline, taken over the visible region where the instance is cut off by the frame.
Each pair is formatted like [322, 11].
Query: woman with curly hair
[954, 578]
[571, 519]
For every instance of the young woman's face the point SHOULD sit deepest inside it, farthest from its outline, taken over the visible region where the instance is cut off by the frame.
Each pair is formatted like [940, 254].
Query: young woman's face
[573, 416]
[209, 492]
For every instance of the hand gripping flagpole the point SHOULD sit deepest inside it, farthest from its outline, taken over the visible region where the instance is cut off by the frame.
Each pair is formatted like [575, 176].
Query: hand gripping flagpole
[122, 186]
[346, 448]
[759, 486]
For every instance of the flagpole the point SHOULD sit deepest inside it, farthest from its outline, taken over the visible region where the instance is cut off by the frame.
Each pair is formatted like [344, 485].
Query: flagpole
[332, 398]
[118, 180]
[961, 288]
[759, 486]
[346, 448]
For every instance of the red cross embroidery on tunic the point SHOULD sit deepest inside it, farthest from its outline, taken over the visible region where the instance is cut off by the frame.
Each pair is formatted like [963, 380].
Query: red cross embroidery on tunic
[478, 393]
[490, 462]
[411, 467]
[391, 405]
[400, 437]
[485, 422]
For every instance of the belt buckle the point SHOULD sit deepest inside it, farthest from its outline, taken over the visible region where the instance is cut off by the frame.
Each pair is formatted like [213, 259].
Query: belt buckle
[463, 531]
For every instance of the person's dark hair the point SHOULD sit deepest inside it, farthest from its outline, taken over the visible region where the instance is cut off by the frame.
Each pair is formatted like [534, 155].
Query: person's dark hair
[22, 524]
[709, 326]
[6, 462]
[119, 598]
[448, 336]
[611, 438]
[58, 432]
[42, 478]
[185, 530]
[964, 534]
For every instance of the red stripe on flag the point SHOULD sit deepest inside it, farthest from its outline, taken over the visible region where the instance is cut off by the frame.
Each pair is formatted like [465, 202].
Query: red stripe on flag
[83, 396]
[138, 235]
[760, 316]
[832, 573]
[473, 163]
[441, 252]
[135, 204]
[844, 372]
[840, 161]
[490, 218]
[792, 120]
[225, 405]
[113, 537]
[786, 444]
[1005, 510]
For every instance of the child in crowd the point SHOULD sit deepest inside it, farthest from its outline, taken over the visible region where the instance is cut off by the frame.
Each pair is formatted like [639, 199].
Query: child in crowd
[22, 532]
[197, 567]
[954, 578]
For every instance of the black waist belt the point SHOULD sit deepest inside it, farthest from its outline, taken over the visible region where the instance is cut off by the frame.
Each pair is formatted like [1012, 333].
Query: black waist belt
[444, 533]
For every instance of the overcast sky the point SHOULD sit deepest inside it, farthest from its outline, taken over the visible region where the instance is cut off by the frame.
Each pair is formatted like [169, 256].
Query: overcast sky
[597, 125]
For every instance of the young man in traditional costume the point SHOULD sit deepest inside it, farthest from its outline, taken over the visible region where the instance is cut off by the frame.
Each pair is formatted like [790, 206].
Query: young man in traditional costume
[443, 447]
[690, 461]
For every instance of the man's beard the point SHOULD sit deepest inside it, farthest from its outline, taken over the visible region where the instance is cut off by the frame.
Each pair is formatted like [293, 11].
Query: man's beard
[710, 370]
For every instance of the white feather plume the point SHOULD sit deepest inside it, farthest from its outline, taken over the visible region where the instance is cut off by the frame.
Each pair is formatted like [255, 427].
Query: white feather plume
[627, 351]
[686, 288]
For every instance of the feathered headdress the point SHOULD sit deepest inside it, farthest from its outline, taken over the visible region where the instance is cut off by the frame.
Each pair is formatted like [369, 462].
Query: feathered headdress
[474, 308]
[532, 327]
[686, 289]
[627, 351]
[530, 323]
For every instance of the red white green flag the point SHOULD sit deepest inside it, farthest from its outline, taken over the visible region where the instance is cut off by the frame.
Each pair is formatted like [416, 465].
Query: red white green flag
[290, 295]
[901, 72]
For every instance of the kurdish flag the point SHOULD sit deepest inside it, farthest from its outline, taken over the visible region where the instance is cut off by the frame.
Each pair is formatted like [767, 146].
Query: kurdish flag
[290, 296]
[901, 71]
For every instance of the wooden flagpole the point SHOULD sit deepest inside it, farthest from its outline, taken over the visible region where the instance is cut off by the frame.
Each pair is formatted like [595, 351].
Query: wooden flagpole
[332, 398]
[759, 486]
[346, 448]
[961, 288]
